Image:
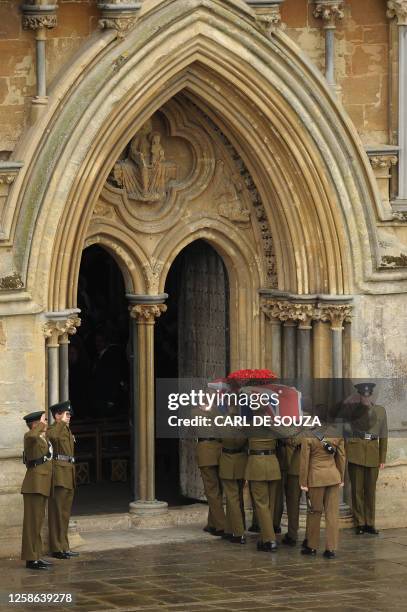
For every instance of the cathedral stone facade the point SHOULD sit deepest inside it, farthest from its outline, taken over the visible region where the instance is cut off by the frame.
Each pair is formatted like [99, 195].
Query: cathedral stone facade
[273, 131]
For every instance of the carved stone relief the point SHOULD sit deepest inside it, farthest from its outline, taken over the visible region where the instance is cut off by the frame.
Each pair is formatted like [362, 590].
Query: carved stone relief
[176, 170]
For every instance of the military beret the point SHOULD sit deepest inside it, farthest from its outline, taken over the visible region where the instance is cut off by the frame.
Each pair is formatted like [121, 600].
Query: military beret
[33, 416]
[61, 407]
[365, 388]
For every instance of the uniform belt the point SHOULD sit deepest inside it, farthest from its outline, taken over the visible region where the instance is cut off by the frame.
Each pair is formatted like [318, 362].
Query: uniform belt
[233, 451]
[262, 452]
[207, 439]
[35, 462]
[365, 435]
[67, 458]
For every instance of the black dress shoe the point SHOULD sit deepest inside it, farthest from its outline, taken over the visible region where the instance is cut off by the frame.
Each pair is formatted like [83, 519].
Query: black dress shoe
[359, 530]
[60, 555]
[207, 529]
[217, 533]
[71, 553]
[226, 536]
[371, 529]
[309, 551]
[277, 530]
[329, 554]
[267, 546]
[237, 539]
[254, 529]
[289, 541]
[36, 565]
[44, 562]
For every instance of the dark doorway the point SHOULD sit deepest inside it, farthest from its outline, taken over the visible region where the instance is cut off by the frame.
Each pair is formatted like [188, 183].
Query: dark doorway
[191, 341]
[99, 387]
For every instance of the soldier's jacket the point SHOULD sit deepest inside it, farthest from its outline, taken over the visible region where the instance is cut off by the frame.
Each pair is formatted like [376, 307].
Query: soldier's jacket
[38, 478]
[62, 440]
[208, 452]
[293, 454]
[263, 467]
[232, 466]
[318, 468]
[282, 454]
[369, 453]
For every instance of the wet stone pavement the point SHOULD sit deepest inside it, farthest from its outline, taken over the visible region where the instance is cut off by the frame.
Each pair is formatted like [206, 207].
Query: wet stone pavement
[370, 573]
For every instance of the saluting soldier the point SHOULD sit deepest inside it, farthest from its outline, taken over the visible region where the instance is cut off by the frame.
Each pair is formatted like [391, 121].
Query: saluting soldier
[322, 470]
[263, 473]
[366, 449]
[292, 488]
[60, 502]
[36, 488]
[232, 467]
[208, 452]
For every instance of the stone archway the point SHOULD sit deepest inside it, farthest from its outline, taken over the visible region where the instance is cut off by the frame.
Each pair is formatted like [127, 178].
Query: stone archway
[305, 181]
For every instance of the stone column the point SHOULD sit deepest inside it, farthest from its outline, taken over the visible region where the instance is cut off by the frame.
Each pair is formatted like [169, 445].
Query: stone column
[58, 325]
[144, 309]
[382, 159]
[329, 11]
[289, 365]
[40, 17]
[267, 14]
[336, 314]
[398, 9]
[71, 325]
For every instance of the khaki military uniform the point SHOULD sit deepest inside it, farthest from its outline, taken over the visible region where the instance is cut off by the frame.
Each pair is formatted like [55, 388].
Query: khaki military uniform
[364, 458]
[232, 467]
[36, 489]
[208, 452]
[281, 484]
[63, 485]
[322, 473]
[263, 473]
[292, 485]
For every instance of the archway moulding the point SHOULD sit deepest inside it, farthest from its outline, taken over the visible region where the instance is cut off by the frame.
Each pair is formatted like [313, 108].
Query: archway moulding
[302, 151]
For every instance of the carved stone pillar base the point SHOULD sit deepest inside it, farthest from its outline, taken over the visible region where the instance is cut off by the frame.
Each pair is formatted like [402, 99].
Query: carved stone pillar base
[148, 508]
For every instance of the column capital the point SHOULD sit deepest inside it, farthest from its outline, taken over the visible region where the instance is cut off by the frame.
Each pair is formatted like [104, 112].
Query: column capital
[329, 11]
[397, 9]
[379, 162]
[38, 16]
[335, 314]
[147, 313]
[60, 325]
[119, 15]
[267, 14]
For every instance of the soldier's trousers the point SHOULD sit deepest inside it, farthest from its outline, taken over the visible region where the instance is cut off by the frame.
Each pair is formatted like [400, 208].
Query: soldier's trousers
[363, 483]
[293, 496]
[323, 499]
[34, 512]
[213, 491]
[264, 497]
[279, 503]
[59, 512]
[234, 506]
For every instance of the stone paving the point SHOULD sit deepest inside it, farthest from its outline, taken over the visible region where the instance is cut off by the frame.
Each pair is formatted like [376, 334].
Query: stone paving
[210, 575]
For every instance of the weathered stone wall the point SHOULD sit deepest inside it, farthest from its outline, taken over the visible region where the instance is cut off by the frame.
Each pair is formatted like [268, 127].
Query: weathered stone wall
[362, 58]
[76, 21]
[22, 381]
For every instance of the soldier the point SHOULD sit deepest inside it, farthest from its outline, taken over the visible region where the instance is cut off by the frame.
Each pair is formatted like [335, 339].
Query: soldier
[292, 489]
[366, 450]
[232, 467]
[35, 489]
[60, 502]
[281, 485]
[263, 474]
[322, 470]
[208, 451]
